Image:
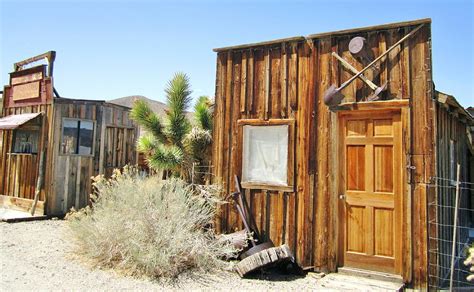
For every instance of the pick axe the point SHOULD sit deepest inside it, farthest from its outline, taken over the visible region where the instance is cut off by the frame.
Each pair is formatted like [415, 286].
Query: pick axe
[377, 89]
[333, 95]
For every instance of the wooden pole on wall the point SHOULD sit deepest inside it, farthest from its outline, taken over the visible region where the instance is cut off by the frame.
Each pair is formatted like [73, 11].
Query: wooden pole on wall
[453, 251]
[39, 182]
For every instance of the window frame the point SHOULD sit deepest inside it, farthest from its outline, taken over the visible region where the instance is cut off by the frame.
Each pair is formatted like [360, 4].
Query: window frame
[62, 137]
[290, 180]
[33, 128]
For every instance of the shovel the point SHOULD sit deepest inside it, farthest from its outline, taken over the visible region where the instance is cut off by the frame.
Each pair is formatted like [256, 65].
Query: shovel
[333, 95]
[377, 89]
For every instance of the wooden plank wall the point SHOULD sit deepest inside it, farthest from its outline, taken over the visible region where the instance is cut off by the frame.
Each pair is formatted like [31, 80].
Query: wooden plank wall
[67, 180]
[450, 125]
[18, 173]
[288, 80]
[120, 135]
[72, 185]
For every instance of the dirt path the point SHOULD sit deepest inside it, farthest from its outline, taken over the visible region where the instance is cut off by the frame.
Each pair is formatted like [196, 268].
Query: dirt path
[36, 256]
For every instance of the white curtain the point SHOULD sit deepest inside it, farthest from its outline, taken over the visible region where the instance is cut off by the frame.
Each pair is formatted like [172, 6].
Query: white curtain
[265, 154]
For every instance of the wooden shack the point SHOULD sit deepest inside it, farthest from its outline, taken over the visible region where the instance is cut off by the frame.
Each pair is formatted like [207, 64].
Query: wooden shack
[77, 138]
[345, 186]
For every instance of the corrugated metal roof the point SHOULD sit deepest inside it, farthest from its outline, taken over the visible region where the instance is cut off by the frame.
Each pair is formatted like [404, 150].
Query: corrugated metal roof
[15, 121]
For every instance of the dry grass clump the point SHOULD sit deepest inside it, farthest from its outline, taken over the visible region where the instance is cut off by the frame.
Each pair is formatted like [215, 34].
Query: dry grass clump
[470, 262]
[144, 226]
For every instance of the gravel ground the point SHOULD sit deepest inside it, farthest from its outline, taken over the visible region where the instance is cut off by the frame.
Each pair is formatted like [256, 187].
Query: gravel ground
[37, 256]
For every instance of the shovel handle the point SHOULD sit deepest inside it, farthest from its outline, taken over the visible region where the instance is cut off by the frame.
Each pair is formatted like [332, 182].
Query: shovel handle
[245, 224]
[381, 56]
[354, 70]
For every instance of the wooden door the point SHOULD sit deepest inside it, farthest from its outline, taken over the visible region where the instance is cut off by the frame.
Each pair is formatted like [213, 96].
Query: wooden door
[370, 201]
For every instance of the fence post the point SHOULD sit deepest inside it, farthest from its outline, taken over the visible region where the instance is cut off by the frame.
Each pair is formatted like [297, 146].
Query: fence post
[453, 252]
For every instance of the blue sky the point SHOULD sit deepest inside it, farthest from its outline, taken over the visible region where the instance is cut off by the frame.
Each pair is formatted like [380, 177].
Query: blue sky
[110, 49]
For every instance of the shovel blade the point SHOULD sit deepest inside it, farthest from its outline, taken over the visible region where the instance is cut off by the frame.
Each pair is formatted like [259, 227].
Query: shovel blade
[377, 91]
[380, 89]
[333, 96]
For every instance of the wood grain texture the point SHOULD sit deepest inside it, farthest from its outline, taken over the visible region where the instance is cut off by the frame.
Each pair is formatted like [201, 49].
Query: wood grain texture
[67, 178]
[372, 203]
[287, 79]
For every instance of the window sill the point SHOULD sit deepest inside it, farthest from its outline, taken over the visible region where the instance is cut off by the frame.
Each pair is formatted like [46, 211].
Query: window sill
[263, 186]
[25, 154]
[82, 155]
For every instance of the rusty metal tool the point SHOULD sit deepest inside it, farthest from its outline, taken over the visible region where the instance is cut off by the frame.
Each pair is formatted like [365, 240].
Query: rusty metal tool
[358, 48]
[242, 209]
[377, 89]
[333, 95]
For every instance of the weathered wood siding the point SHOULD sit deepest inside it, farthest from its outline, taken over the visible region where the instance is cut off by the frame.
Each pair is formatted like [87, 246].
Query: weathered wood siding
[18, 172]
[452, 124]
[287, 79]
[21, 170]
[72, 184]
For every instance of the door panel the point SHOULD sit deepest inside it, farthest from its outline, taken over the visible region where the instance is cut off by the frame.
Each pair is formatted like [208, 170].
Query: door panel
[355, 228]
[383, 221]
[383, 169]
[355, 168]
[370, 228]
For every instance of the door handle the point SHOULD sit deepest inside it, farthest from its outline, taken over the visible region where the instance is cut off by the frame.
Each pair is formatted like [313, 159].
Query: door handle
[342, 197]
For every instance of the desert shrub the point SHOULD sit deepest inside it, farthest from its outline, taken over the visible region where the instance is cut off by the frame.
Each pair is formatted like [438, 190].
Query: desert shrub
[145, 226]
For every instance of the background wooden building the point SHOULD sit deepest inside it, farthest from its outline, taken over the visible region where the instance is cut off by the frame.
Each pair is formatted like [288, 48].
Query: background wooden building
[345, 186]
[79, 139]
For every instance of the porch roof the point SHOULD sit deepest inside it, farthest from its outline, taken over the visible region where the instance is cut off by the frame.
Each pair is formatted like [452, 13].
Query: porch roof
[15, 121]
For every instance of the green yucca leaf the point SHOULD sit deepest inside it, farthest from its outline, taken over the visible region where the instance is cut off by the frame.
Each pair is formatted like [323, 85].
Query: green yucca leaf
[166, 157]
[177, 127]
[144, 116]
[202, 113]
[147, 143]
[178, 93]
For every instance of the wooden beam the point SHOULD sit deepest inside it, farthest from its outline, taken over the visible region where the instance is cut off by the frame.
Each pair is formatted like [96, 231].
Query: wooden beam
[325, 34]
[260, 44]
[21, 204]
[369, 105]
[267, 81]
[50, 56]
[370, 28]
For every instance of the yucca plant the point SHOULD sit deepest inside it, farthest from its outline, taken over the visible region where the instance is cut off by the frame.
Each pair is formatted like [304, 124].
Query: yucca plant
[172, 143]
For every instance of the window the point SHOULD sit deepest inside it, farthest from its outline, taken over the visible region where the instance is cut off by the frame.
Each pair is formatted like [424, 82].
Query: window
[26, 141]
[77, 137]
[266, 159]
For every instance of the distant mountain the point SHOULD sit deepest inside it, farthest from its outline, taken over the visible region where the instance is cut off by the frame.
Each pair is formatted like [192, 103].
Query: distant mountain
[156, 106]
